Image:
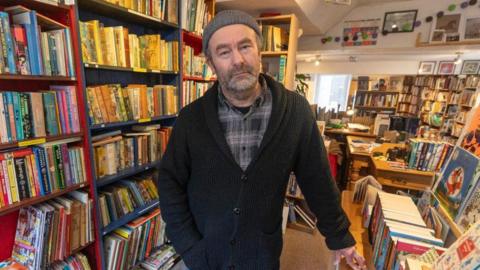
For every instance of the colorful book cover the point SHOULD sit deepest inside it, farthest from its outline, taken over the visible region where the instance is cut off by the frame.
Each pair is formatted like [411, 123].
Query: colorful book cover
[470, 139]
[28, 237]
[457, 179]
[21, 49]
[7, 44]
[469, 212]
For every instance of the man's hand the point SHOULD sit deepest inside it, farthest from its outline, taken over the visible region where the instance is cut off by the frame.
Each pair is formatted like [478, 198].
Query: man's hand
[355, 260]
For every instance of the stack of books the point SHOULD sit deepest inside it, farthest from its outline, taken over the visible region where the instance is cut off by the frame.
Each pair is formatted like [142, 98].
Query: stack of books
[29, 51]
[113, 103]
[133, 243]
[124, 197]
[193, 90]
[50, 231]
[161, 9]
[195, 65]
[275, 38]
[396, 230]
[195, 15]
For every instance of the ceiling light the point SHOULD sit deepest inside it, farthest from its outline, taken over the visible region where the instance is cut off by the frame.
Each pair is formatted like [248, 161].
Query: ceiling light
[317, 62]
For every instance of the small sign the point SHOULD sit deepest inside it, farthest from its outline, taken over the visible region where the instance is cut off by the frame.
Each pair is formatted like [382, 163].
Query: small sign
[136, 69]
[144, 120]
[32, 142]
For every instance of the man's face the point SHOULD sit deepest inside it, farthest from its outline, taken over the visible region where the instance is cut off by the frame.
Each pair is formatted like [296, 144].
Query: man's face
[235, 57]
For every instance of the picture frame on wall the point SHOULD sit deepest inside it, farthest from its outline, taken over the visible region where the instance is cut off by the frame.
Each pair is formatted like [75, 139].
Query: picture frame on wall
[399, 21]
[470, 67]
[446, 68]
[450, 23]
[472, 29]
[427, 67]
[438, 36]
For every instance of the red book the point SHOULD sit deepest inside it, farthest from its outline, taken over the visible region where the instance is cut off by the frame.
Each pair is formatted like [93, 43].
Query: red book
[4, 186]
[21, 49]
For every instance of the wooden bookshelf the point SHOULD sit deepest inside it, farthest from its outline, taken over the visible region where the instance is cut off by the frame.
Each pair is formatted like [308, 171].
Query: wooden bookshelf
[129, 217]
[198, 79]
[374, 108]
[39, 199]
[291, 24]
[128, 69]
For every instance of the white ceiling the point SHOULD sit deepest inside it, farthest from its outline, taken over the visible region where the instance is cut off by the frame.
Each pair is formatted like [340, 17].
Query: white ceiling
[316, 17]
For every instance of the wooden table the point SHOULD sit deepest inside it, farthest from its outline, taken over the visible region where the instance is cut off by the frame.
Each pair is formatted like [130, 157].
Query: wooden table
[398, 178]
[348, 132]
[357, 157]
[360, 234]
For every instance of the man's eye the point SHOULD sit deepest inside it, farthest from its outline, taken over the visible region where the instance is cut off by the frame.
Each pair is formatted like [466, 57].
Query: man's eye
[246, 46]
[223, 53]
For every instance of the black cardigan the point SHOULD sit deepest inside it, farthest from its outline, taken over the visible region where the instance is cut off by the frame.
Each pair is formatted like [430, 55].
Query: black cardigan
[220, 217]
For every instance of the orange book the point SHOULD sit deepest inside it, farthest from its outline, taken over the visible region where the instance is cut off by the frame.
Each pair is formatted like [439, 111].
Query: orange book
[109, 105]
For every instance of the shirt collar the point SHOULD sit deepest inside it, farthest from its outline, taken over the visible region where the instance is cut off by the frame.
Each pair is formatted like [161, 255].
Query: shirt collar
[258, 101]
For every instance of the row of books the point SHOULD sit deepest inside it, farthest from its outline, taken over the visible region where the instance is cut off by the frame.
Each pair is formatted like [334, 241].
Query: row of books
[40, 170]
[451, 82]
[195, 65]
[114, 151]
[397, 230]
[195, 15]
[74, 262]
[275, 38]
[162, 9]
[409, 97]
[193, 90]
[373, 100]
[125, 196]
[428, 155]
[275, 67]
[27, 115]
[408, 108]
[115, 46]
[113, 103]
[29, 51]
[51, 231]
[131, 244]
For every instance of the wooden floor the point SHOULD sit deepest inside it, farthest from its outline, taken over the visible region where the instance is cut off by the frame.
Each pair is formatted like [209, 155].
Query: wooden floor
[304, 251]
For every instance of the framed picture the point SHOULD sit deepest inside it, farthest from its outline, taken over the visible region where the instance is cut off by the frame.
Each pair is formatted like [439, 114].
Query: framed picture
[450, 23]
[437, 36]
[472, 29]
[399, 21]
[446, 68]
[427, 68]
[470, 67]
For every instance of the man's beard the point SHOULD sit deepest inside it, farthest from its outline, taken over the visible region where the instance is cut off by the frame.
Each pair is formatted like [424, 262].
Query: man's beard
[240, 80]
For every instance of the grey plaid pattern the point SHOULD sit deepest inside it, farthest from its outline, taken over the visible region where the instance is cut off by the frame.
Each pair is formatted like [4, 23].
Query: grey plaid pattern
[244, 132]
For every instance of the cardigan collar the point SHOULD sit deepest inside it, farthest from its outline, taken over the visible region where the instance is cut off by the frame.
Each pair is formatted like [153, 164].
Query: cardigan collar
[210, 108]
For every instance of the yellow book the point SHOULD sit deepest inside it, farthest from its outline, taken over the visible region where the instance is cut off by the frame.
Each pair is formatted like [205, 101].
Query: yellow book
[97, 41]
[108, 44]
[12, 178]
[120, 46]
[31, 179]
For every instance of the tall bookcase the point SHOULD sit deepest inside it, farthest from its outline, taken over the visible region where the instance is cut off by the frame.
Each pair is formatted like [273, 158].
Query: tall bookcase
[66, 15]
[110, 14]
[280, 62]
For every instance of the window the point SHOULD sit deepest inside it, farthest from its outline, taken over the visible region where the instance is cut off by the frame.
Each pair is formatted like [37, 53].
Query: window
[331, 90]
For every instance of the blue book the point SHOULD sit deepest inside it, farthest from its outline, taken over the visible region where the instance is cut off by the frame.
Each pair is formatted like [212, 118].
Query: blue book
[29, 22]
[7, 43]
[52, 48]
[8, 102]
[50, 110]
[18, 116]
[69, 58]
[6, 115]
[38, 167]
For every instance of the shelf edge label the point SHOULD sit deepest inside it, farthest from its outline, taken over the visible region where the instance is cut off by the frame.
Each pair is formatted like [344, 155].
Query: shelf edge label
[32, 142]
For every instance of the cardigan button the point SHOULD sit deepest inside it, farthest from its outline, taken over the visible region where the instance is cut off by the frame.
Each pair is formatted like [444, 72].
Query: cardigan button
[236, 211]
[244, 178]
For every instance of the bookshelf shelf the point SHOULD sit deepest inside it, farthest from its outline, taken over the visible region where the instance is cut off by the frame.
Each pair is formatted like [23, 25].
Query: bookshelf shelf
[36, 78]
[374, 108]
[109, 9]
[377, 92]
[40, 140]
[39, 5]
[129, 217]
[274, 54]
[129, 123]
[39, 199]
[198, 79]
[106, 180]
[127, 69]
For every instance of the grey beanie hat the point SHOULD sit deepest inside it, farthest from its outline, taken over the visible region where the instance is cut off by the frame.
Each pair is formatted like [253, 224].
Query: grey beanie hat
[224, 18]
